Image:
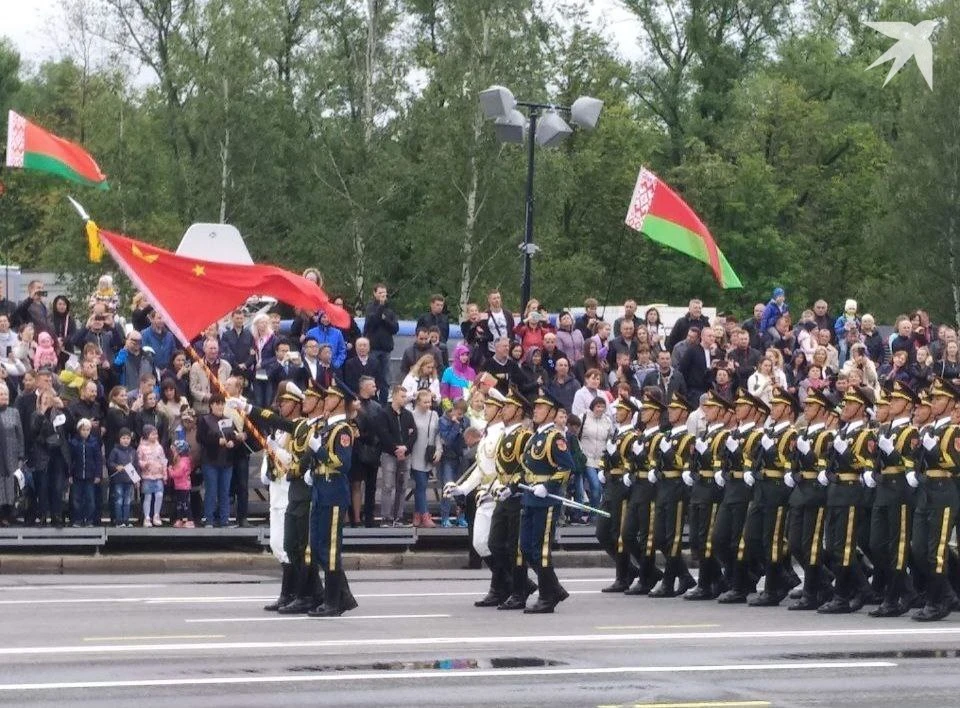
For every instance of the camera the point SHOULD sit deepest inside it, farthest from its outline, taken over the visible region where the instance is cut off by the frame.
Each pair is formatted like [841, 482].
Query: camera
[42, 293]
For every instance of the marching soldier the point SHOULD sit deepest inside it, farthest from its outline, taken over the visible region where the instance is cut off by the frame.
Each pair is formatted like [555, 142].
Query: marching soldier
[505, 524]
[618, 465]
[808, 501]
[547, 464]
[706, 494]
[892, 517]
[673, 453]
[773, 462]
[480, 480]
[852, 455]
[333, 447]
[939, 459]
[296, 522]
[638, 529]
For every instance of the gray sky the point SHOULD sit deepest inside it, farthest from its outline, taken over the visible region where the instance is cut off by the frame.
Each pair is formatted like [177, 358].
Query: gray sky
[33, 25]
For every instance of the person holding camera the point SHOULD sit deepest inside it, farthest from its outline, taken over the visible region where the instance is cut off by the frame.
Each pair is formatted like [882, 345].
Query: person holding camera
[33, 310]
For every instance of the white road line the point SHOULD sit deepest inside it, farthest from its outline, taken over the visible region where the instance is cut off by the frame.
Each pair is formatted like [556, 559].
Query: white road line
[114, 586]
[482, 673]
[218, 620]
[154, 637]
[383, 642]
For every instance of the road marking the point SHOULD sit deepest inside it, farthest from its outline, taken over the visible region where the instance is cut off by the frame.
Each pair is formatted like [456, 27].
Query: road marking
[482, 673]
[700, 704]
[114, 586]
[654, 626]
[304, 617]
[156, 636]
[916, 632]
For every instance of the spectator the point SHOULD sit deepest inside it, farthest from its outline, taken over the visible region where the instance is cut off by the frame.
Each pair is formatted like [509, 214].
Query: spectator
[629, 315]
[775, 309]
[859, 361]
[325, 370]
[8, 338]
[921, 371]
[200, 373]
[531, 332]
[814, 381]
[325, 333]
[937, 344]
[594, 433]
[12, 454]
[62, 323]
[363, 364]
[724, 383]
[238, 346]
[625, 342]
[7, 307]
[763, 381]
[398, 433]
[45, 354]
[569, 339]
[366, 452]
[589, 391]
[284, 365]
[779, 367]
[421, 347]
[179, 472]
[160, 339]
[152, 462]
[590, 360]
[550, 354]
[379, 327]
[86, 463]
[98, 332]
[821, 315]
[849, 317]
[781, 337]
[656, 333]
[752, 326]
[122, 468]
[351, 332]
[171, 403]
[532, 367]
[505, 370]
[822, 359]
[473, 329]
[140, 311]
[602, 338]
[424, 455]
[796, 371]
[517, 353]
[743, 357]
[130, 363]
[265, 343]
[563, 386]
[422, 376]
[949, 366]
[451, 427]
[33, 310]
[179, 373]
[105, 294]
[50, 457]
[498, 321]
[587, 322]
[666, 378]
[851, 336]
[680, 349]
[216, 439]
[89, 404]
[905, 339]
[26, 346]
[833, 356]
[693, 318]
[697, 365]
[622, 371]
[311, 371]
[897, 369]
[807, 334]
[151, 416]
[873, 340]
[437, 317]
[457, 377]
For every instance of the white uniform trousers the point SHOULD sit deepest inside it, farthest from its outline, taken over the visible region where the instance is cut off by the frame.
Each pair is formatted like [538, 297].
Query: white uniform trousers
[481, 527]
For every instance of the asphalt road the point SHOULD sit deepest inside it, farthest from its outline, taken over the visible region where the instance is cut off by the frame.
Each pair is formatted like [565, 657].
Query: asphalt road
[417, 640]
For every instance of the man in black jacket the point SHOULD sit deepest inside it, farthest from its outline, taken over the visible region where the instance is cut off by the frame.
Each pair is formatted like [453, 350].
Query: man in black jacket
[752, 326]
[366, 454]
[437, 317]
[668, 380]
[629, 315]
[743, 356]
[698, 364]
[379, 327]
[626, 341]
[693, 318]
[421, 347]
[238, 346]
[398, 431]
[507, 371]
[363, 364]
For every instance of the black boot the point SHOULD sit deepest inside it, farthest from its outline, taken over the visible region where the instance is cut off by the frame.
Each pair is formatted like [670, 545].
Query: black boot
[737, 594]
[770, 597]
[286, 594]
[649, 575]
[493, 597]
[551, 593]
[347, 600]
[305, 599]
[331, 596]
[666, 587]
[808, 596]
[521, 588]
[624, 575]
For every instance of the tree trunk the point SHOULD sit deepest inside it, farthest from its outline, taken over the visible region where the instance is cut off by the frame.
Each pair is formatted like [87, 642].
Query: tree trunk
[225, 152]
[359, 238]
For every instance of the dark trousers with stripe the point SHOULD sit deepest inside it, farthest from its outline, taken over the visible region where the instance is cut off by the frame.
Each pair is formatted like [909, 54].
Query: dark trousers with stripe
[805, 530]
[611, 532]
[639, 530]
[326, 536]
[669, 518]
[727, 533]
[933, 524]
[536, 535]
[842, 524]
[703, 520]
[509, 569]
[890, 527]
[296, 539]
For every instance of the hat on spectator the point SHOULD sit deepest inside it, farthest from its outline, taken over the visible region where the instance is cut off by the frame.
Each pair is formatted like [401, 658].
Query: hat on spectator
[850, 305]
[182, 447]
[124, 431]
[778, 292]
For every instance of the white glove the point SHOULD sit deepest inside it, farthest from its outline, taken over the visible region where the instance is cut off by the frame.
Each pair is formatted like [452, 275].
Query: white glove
[701, 446]
[652, 477]
[912, 479]
[451, 490]
[767, 442]
[627, 481]
[930, 441]
[636, 448]
[732, 443]
[483, 498]
[719, 479]
[264, 479]
[789, 480]
[19, 476]
[749, 478]
[282, 456]
[665, 445]
[840, 445]
[315, 442]
[611, 447]
[59, 420]
[237, 404]
[885, 444]
[803, 445]
[540, 491]
[602, 477]
[823, 479]
[308, 478]
[687, 478]
[504, 493]
[868, 479]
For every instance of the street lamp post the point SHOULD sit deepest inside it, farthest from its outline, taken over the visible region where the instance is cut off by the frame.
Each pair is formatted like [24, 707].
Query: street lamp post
[544, 126]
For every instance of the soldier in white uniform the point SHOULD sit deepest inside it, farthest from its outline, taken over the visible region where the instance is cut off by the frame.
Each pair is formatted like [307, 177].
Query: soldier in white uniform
[481, 479]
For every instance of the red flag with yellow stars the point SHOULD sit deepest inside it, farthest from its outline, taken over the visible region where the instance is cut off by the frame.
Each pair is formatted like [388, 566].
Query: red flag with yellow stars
[191, 293]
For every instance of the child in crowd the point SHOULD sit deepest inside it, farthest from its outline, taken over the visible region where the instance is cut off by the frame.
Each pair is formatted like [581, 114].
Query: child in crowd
[122, 468]
[179, 473]
[86, 461]
[452, 425]
[153, 469]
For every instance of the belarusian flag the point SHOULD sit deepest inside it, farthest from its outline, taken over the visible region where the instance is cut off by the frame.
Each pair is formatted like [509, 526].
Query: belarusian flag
[661, 215]
[33, 148]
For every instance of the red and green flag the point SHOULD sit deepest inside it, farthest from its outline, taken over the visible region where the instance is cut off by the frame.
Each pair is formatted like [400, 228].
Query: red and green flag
[657, 212]
[33, 148]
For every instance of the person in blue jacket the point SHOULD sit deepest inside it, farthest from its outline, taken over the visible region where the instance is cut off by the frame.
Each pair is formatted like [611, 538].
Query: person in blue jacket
[775, 309]
[325, 333]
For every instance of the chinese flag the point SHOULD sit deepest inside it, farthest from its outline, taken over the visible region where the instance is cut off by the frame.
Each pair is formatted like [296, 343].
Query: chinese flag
[190, 293]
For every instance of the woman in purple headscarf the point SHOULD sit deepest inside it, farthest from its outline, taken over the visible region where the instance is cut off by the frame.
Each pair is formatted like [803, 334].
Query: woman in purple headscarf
[458, 376]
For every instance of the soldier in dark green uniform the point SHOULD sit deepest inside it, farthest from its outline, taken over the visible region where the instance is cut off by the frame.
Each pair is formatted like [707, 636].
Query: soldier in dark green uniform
[638, 530]
[939, 459]
[923, 422]
[808, 501]
[617, 468]
[547, 463]
[333, 448]
[672, 497]
[773, 462]
[728, 539]
[706, 494]
[852, 454]
[504, 541]
[892, 519]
